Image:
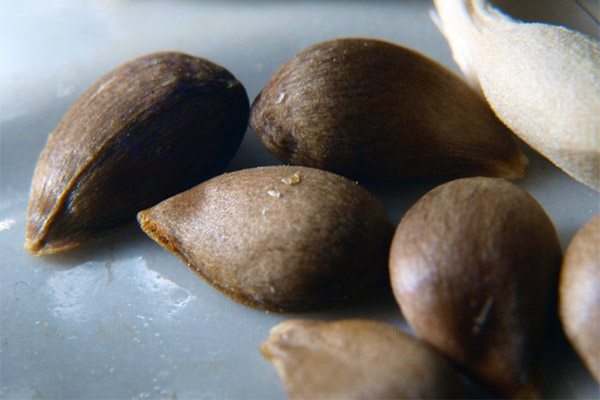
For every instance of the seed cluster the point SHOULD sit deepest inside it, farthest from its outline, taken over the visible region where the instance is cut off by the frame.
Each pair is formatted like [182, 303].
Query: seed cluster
[472, 264]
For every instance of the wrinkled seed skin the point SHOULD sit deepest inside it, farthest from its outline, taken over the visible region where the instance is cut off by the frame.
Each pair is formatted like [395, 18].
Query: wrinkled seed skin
[358, 359]
[473, 265]
[147, 130]
[275, 245]
[579, 294]
[373, 110]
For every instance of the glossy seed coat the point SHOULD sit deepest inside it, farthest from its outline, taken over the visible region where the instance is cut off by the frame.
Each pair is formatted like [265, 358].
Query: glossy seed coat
[278, 238]
[473, 266]
[373, 110]
[145, 131]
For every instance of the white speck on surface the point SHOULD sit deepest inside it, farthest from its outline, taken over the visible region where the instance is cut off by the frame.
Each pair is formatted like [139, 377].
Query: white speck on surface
[6, 224]
[292, 180]
[274, 193]
[281, 98]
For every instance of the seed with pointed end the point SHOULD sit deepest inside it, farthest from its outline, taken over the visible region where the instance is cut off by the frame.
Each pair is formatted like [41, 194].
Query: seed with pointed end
[275, 245]
[373, 110]
[358, 359]
[147, 130]
[579, 294]
[473, 265]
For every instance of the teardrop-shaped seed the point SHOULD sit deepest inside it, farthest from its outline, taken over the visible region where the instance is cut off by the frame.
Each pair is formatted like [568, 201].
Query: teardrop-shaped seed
[374, 110]
[473, 266]
[358, 359]
[579, 294]
[145, 131]
[279, 238]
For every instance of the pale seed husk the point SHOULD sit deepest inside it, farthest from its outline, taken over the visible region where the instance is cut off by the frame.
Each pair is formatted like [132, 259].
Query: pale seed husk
[541, 80]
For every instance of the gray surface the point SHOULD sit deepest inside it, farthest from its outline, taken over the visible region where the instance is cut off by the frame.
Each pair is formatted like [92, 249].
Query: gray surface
[122, 318]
